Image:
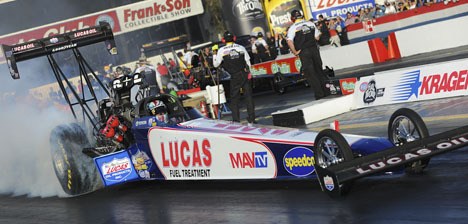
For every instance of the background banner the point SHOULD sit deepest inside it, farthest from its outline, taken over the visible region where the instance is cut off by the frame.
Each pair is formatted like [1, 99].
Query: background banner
[333, 8]
[279, 13]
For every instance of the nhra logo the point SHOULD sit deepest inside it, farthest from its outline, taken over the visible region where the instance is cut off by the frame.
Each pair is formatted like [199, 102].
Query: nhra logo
[371, 92]
[117, 169]
[249, 160]
[299, 161]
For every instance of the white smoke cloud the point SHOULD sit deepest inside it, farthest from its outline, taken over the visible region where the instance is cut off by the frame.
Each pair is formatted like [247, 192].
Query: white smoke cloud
[25, 126]
[25, 161]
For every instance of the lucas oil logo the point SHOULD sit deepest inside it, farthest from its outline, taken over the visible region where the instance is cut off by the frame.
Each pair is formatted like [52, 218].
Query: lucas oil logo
[299, 161]
[117, 169]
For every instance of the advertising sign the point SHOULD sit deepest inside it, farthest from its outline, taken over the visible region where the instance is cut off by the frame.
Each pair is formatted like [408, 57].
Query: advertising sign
[290, 65]
[62, 27]
[209, 155]
[116, 168]
[151, 13]
[425, 82]
[333, 8]
[279, 13]
[122, 19]
[244, 17]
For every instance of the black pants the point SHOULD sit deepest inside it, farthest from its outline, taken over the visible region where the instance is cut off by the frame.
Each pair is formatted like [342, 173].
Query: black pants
[312, 67]
[239, 80]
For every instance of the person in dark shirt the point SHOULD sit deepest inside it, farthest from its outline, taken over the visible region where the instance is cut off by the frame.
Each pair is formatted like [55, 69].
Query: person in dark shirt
[272, 46]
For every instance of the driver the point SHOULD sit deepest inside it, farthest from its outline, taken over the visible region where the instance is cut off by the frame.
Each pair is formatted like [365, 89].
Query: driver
[159, 110]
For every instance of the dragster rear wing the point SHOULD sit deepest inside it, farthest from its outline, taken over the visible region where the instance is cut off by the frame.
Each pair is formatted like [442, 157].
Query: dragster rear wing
[333, 177]
[57, 43]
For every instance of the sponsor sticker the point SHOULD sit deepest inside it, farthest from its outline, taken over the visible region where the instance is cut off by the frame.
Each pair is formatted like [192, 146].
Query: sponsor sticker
[329, 184]
[194, 157]
[142, 164]
[413, 155]
[249, 160]
[371, 93]
[141, 123]
[116, 168]
[347, 85]
[299, 161]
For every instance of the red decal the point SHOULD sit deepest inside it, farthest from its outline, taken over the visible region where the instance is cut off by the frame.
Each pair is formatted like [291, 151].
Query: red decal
[163, 154]
[184, 147]
[183, 153]
[447, 82]
[242, 160]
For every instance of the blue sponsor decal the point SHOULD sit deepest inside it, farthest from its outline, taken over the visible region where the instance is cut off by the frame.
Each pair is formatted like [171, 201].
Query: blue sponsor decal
[331, 8]
[142, 164]
[142, 122]
[408, 86]
[299, 161]
[116, 168]
[261, 160]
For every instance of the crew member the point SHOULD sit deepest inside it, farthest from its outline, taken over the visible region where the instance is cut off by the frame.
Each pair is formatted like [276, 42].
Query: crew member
[235, 60]
[206, 58]
[163, 71]
[302, 40]
[152, 77]
[260, 47]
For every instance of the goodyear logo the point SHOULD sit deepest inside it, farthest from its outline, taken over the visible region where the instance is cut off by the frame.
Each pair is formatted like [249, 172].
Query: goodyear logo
[299, 161]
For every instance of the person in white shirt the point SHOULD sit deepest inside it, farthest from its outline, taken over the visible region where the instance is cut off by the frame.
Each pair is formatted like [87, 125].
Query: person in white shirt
[302, 40]
[152, 78]
[235, 59]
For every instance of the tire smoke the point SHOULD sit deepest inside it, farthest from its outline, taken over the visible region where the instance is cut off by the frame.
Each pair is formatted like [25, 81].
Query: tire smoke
[26, 164]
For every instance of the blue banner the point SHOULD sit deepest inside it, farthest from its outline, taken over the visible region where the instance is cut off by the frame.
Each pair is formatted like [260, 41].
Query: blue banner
[334, 8]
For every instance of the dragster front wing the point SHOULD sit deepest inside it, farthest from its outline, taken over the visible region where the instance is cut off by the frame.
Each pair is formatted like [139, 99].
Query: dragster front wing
[333, 177]
[57, 43]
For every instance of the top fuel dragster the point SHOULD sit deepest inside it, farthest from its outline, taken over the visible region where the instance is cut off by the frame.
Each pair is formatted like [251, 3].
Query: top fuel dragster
[118, 141]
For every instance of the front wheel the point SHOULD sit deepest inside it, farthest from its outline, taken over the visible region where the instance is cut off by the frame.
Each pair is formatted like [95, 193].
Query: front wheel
[405, 126]
[331, 148]
[75, 171]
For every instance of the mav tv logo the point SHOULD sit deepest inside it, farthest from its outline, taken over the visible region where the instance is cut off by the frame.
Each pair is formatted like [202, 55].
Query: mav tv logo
[249, 160]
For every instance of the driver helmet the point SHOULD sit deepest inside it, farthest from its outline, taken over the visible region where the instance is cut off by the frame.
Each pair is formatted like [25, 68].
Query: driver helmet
[158, 109]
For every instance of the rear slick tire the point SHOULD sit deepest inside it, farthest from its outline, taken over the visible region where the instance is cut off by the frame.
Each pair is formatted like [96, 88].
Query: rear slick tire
[75, 171]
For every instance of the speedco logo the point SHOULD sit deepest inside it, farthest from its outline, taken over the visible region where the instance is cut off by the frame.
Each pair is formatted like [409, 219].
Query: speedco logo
[414, 155]
[299, 161]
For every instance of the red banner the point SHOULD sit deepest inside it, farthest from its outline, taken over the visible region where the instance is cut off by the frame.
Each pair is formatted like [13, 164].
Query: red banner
[286, 66]
[62, 27]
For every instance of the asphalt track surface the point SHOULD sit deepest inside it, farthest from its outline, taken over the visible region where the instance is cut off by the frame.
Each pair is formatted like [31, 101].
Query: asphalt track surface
[440, 195]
